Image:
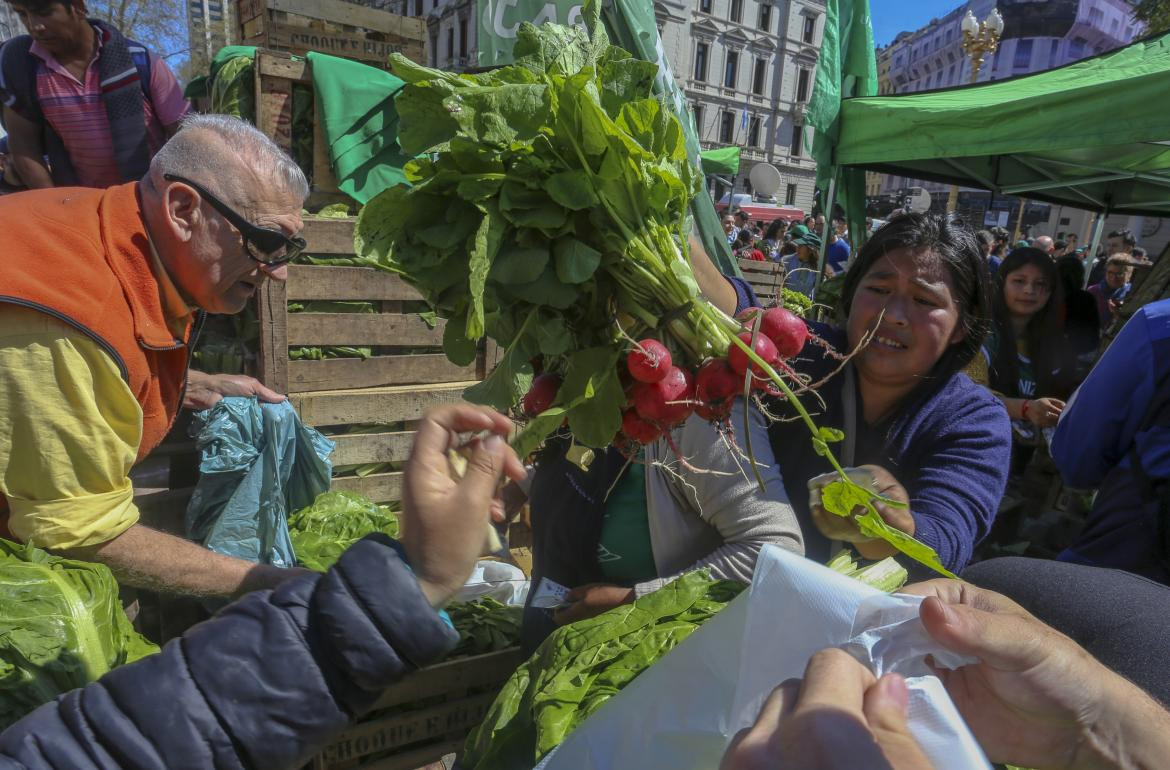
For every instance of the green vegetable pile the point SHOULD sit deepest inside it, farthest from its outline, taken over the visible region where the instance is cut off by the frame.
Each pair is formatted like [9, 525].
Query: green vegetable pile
[62, 628]
[550, 211]
[796, 302]
[581, 666]
[484, 625]
[321, 532]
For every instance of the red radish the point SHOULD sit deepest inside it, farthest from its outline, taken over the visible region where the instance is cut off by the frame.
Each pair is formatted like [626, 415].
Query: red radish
[786, 329]
[540, 396]
[714, 412]
[716, 382]
[763, 347]
[637, 429]
[667, 401]
[648, 361]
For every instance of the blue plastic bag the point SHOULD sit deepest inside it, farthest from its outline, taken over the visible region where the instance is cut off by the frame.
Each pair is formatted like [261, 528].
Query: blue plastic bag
[257, 463]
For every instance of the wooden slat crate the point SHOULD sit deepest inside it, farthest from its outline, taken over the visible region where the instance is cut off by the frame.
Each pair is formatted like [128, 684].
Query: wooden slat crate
[425, 717]
[766, 279]
[331, 26]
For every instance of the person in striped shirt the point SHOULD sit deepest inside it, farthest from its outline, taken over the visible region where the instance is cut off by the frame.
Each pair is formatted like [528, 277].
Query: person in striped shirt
[84, 105]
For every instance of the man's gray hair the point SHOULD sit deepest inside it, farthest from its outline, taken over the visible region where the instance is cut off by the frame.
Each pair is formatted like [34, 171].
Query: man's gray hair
[215, 163]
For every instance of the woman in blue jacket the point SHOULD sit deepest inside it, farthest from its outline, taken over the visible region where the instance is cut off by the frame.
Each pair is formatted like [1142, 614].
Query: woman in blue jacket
[916, 304]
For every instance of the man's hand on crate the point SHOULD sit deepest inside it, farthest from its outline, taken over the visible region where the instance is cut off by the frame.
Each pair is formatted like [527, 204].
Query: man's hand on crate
[444, 516]
[205, 390]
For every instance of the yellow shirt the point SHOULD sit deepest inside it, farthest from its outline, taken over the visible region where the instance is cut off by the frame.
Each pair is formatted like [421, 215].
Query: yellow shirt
[69, 428]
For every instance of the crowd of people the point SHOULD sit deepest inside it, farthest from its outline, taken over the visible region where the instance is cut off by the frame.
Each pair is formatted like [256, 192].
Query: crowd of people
[954, 357]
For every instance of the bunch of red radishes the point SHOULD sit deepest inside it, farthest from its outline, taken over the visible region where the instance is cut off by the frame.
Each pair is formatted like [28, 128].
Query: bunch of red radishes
[662, 394]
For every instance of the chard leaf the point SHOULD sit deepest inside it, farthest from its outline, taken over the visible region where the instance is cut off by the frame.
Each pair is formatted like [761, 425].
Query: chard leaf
[423, 119]
[460, 349]
[572, 189]
[517, 264]
[626, 80]
[501, 114]
[576, 262]
[383, 222]
[483, 247]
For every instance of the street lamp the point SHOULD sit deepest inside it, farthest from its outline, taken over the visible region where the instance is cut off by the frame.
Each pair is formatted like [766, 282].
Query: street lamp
[980, 38]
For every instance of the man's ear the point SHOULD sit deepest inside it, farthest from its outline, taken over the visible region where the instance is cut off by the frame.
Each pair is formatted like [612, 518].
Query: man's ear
[182, 210]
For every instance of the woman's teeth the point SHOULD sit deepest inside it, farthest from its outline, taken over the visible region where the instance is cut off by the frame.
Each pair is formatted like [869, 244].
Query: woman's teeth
[890, 343]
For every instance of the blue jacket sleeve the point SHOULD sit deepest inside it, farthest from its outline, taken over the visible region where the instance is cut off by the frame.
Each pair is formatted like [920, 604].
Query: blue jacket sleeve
[745, 297]
[265, 683]
[1100, 420]
[961, 478]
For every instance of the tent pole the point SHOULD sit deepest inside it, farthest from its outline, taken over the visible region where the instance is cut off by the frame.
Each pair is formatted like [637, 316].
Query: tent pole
[1019, 221]
[830, 201]
[1098, 227]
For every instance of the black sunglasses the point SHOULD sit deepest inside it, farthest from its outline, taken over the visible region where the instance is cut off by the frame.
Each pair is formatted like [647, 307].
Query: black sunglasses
[264, 244]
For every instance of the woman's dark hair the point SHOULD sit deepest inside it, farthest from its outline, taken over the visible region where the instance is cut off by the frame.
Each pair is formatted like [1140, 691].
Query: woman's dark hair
[773, 231]
[958, 250]
[1044, 333]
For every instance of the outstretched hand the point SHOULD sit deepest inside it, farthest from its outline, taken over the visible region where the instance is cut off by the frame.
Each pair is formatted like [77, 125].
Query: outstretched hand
[445, 514]
[206, 390]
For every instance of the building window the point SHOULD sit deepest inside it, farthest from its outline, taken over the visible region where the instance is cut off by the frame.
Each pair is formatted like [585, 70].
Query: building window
[950, 31]
[1023, 56]
[754, 132]
[435, 49]
[796, 147]
[1076, 49]
[418, 7]
[810, 28]
[1054, 53]
[697, 111]
[726, 126]
[758, 76]
[729, 71]
[790, 195]
[765, 19]
[463, 37]
[701, 62]
[736, 14]
[450, 42]
[705, 6]
[951, 75]
[802, 85]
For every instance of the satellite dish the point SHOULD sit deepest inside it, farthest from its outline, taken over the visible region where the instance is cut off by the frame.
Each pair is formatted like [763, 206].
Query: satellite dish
[918, 201]
[765, 179]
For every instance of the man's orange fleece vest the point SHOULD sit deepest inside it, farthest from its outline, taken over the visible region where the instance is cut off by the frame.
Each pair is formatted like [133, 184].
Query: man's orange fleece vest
[82, 256]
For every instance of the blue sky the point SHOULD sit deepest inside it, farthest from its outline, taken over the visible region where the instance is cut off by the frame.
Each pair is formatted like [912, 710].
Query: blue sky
[893, 16]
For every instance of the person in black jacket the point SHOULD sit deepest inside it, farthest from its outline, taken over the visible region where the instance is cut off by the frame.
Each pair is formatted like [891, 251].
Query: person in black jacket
[271, 678]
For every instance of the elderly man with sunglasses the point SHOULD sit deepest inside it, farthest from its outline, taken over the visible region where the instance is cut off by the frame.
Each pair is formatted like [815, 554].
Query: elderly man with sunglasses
[102, 296]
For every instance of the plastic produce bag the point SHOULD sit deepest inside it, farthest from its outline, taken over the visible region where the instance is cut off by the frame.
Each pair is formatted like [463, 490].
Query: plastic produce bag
[503, 582]
[257, 463]
[684, 710]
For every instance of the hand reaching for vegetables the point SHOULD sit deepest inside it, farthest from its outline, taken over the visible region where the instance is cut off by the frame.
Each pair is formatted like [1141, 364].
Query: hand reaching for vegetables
[838, 716]
[444, 517]
[205, 390]
[1044, 412]
[835, 527]
[1036, 698]
[592, 599]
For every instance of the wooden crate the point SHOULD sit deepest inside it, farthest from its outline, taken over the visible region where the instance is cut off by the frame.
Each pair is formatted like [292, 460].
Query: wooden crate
[425, 717]
[407, 375]
[766, 279]
[331, 26]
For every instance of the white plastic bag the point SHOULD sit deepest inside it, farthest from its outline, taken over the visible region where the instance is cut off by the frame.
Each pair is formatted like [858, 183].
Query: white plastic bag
[503, 582]
[685, 709]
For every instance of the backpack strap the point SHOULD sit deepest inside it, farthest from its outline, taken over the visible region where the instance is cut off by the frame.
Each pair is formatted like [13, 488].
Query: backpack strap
[18, 78]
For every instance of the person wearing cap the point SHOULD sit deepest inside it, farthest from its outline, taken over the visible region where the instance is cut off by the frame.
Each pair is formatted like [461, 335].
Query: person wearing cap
[103, 294]
[802, 266]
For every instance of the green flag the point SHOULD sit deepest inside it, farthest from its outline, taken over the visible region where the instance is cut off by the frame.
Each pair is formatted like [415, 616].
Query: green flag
[631, 24]
[721, 160]
[846, 68]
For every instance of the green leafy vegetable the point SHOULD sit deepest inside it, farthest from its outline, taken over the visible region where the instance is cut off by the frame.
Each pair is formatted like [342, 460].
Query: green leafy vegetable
[885, 575]
[484, 625]
[582, 665]
[321, 532]
[62, 627]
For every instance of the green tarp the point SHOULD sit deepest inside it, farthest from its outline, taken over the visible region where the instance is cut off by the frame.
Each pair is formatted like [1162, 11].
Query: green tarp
[721, 160]
[1094, 134]
[355, 105]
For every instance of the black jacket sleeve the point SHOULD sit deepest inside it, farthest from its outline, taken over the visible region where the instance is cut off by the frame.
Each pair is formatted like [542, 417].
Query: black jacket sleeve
[263, 684]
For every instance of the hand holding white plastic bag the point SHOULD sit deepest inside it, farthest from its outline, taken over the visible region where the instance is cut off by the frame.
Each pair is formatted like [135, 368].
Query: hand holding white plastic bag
[683, 712]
